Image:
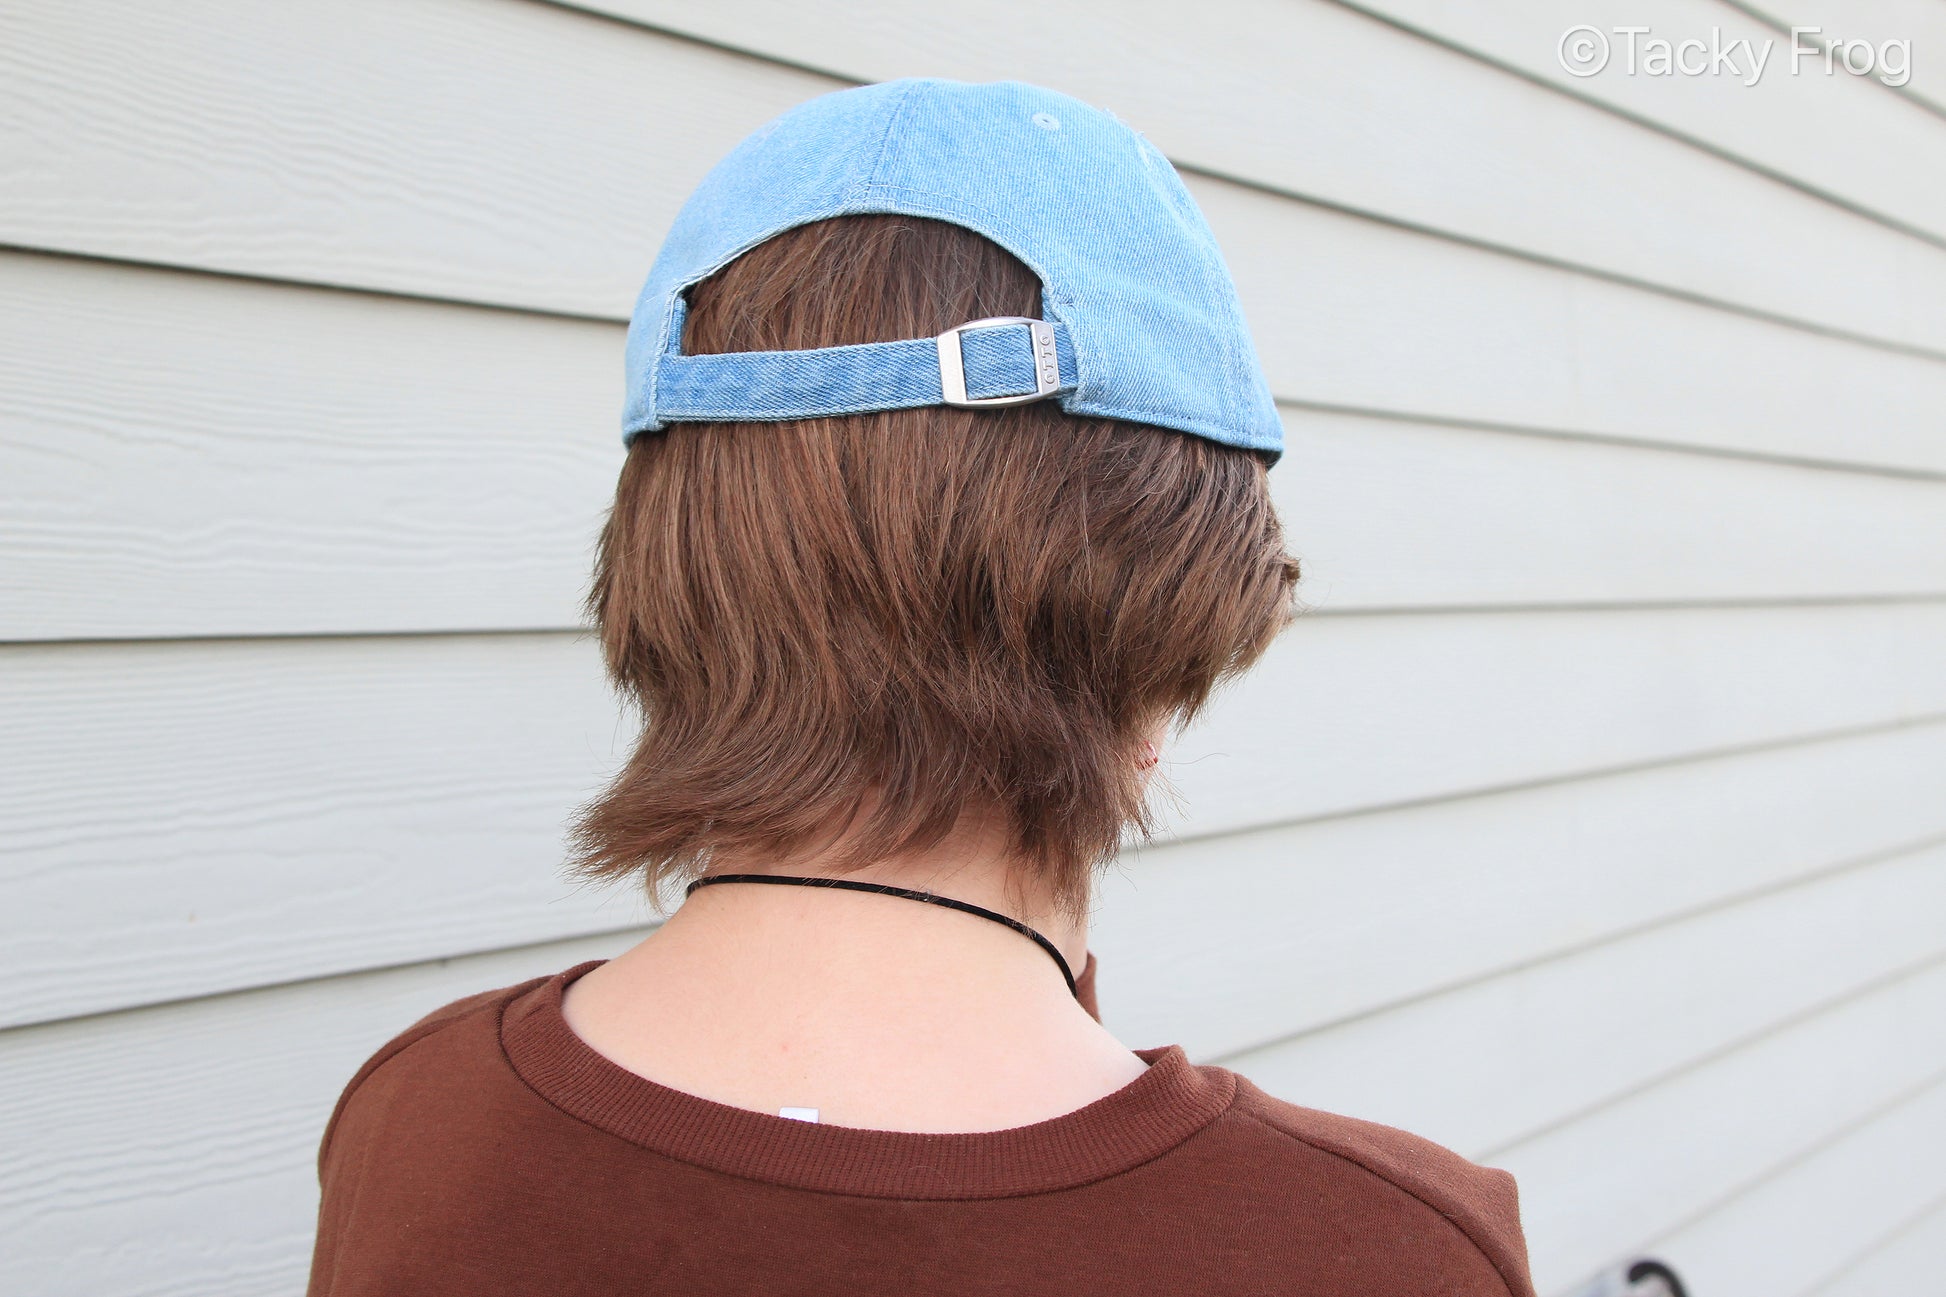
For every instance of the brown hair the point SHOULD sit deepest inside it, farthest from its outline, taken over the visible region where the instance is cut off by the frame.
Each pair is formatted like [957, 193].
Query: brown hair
[877, 624]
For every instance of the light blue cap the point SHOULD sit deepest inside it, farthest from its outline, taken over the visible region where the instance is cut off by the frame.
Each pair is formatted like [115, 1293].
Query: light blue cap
[1139, 316]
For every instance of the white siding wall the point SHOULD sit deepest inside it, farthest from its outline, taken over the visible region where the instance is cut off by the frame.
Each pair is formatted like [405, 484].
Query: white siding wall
[1593, 822]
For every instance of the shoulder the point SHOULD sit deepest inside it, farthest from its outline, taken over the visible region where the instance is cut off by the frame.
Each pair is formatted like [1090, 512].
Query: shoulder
[416, 1142]
[441, 1042]
[1431, 1196]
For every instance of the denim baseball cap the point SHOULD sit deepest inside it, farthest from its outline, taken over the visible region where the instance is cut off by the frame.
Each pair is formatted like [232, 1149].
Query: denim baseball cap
[1139, 316]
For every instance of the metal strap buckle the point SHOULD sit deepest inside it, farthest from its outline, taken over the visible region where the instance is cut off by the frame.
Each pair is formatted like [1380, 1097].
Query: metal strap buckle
[952, 367]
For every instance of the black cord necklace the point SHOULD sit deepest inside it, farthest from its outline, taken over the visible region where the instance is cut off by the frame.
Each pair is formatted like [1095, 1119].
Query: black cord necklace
[910, 894]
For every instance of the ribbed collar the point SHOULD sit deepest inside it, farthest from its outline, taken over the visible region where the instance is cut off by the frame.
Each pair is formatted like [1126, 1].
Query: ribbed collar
[1144, 1119]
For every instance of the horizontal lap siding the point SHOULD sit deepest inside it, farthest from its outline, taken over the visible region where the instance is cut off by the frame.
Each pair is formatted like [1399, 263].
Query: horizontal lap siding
[1630, 1174]
[193, 1174]
[1592, 820]
[1545, 1042]
[1897, 1263]
[198, 817]
[1396, 514]
[1287, 931]
[1351, 312]
[1372, 118]
[1846, 139]
[150, 803]
[225, 1113]
[194, 455]
[1922, 22]
[494, 151]
[513, 188]
[1812, 1224]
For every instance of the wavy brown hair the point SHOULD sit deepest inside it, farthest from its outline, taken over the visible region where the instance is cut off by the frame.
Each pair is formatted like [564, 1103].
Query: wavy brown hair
[875, 625]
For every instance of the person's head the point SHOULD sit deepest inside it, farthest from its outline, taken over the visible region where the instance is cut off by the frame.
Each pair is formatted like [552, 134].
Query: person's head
[863, 608]
[886, 623]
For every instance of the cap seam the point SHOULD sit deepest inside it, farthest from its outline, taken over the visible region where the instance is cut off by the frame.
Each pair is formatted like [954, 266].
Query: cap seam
[892, 120]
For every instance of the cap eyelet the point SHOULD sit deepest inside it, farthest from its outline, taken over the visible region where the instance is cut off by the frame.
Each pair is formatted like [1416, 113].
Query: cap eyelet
[1047, 121]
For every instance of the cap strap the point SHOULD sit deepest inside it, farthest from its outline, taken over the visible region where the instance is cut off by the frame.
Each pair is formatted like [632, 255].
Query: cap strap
[998, 361]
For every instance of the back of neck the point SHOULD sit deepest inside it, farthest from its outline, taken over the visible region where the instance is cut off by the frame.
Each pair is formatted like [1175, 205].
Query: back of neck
[875, 1010]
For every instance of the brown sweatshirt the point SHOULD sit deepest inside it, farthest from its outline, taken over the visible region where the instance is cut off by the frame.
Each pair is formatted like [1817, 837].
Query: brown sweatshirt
[488, 1150]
